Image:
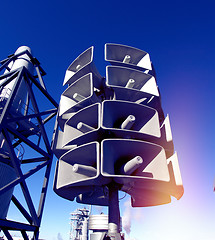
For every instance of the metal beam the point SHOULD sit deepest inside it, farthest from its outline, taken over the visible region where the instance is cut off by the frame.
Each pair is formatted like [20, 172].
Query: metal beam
[36, 109]
[12, 225]
[42, 89]
[44, 192]
[24, 234]
[26, 117]
[21, 209]
[26, 141]
[40, 77]
[7, 234]
[12, 96]
[25, 176]
[19, 173]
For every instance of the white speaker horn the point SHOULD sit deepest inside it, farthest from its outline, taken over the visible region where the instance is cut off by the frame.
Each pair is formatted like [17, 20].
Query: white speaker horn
[127, 119]
[123, 76]
[122, 55]
[145, 198]
[79, 95]
[151, 172]
[78, 168]
[81, 66]
[83, 126]
[134, 86]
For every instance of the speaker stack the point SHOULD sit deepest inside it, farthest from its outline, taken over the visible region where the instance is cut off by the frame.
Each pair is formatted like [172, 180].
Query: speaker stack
[112, 130]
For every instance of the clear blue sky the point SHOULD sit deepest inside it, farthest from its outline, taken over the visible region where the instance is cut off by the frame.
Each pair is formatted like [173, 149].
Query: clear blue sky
[180, 38]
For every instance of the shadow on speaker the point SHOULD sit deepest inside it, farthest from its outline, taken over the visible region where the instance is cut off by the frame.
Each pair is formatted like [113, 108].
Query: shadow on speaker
[134, 163]
[58, 145]
[145, 197]
[99, 196]
[148, 198]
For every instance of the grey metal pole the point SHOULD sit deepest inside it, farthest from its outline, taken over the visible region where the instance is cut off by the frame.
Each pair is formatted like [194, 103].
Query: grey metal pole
[113, 213]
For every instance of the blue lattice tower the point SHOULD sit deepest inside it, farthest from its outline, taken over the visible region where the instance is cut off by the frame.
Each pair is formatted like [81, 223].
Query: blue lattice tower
[26, 109]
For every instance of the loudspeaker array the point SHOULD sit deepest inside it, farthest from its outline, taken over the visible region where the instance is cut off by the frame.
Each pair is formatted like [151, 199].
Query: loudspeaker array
[113, 129]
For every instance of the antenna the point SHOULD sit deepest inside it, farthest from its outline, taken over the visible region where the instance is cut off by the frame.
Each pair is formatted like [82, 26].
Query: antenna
[23, 120]
[111, 135]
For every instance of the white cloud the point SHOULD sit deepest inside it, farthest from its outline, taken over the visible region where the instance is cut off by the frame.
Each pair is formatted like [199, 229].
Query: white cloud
[126, 218]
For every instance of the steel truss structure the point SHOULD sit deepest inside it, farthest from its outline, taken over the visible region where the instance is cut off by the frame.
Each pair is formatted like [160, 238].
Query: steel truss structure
[79, 220]
[26, 130]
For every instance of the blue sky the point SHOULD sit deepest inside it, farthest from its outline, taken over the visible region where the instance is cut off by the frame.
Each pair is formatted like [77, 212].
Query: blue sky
[180, 38]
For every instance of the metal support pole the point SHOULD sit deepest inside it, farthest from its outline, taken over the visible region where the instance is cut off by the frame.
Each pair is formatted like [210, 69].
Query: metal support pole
[113, 213]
